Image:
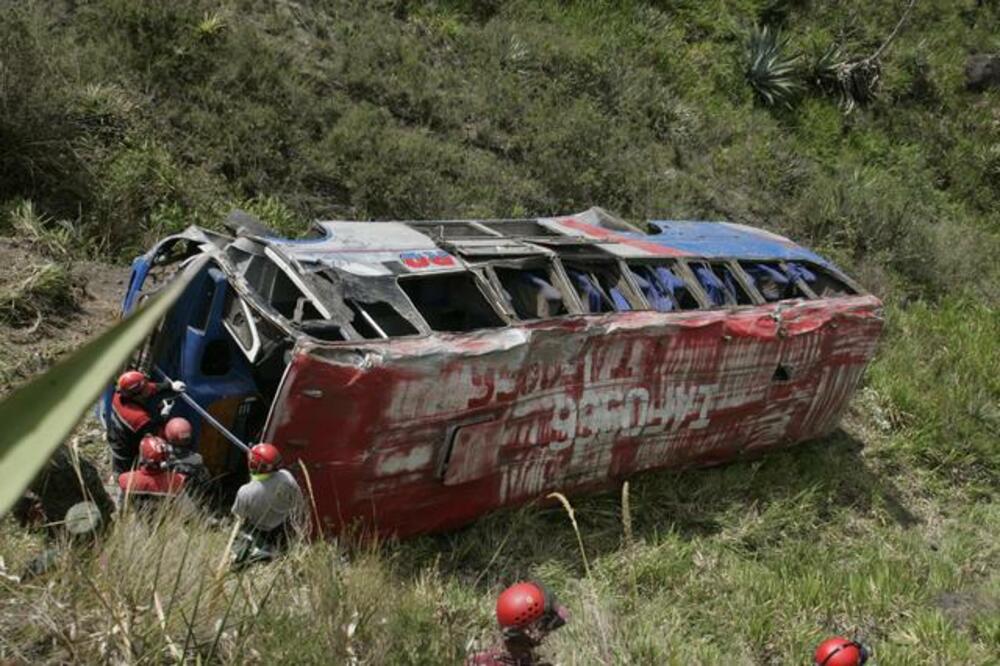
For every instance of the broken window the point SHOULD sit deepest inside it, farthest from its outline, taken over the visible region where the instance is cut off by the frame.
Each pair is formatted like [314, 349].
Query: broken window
[200, 320]
[451, 302]
[822, 281]
[721, 285]
[601, 287]
[530, 292]
[277, 289]
[378, 320]
[285, 296]
[772, 281]
[663, 287]
[239, 320]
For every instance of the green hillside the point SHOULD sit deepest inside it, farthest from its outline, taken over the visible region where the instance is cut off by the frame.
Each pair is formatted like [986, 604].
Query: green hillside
[121, 121]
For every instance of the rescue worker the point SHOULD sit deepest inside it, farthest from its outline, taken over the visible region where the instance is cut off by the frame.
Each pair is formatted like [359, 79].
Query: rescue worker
[66, 488]
[152, 480]
[839, 651]
[183, 458]
[527, 613]
[268, 506]
[136, 411]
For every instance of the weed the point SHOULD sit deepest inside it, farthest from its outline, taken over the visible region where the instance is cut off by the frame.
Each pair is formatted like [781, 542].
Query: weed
[57, 238]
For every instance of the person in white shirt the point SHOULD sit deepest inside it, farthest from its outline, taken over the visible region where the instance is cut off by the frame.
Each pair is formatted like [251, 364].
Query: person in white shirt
[268, 506]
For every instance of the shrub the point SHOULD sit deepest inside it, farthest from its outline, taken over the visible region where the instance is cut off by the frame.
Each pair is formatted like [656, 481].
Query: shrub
[773, 75]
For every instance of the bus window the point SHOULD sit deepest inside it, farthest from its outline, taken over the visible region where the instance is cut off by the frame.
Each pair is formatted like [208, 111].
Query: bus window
[663, 288]
[451, 302]
[530, 293]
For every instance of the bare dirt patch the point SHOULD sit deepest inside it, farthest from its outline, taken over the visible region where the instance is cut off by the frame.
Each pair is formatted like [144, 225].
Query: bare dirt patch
[50, 324]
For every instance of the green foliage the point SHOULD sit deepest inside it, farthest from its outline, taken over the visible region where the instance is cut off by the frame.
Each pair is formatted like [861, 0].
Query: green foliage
[124, 121]
[773, 75]
[134, 120]
[58, 238]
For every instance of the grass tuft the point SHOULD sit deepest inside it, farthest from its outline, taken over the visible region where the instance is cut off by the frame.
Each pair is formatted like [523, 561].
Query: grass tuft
[44, 290]
[57, 238]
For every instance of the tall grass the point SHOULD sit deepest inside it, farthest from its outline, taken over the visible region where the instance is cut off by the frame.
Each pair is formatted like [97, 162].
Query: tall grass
[152, 590]
[936, 389]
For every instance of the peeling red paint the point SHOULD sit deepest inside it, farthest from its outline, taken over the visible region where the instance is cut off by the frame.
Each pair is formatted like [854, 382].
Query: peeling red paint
[425, 434]
[600, 233]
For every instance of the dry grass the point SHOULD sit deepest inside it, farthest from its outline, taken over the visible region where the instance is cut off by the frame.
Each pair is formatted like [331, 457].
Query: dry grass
[42, 291]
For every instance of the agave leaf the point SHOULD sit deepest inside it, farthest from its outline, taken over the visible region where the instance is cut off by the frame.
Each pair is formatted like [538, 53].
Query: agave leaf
[773, 76]
[37, 417]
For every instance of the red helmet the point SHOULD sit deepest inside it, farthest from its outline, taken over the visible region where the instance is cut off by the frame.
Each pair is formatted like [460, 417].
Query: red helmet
[264, 458]
[177, 432]
[520, 605]
[839, 651]
[153, 451]
[132, 383]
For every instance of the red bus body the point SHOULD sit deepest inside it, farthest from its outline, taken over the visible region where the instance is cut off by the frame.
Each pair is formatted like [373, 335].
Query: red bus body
[406, 437]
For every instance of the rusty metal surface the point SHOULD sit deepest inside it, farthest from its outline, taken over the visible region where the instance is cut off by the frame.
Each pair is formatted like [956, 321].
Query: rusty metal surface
[423, 434]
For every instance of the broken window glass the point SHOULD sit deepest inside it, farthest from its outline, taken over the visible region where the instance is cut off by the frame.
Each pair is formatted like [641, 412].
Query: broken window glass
[530, 293]
[773, 283]
[721, 285]
[601, 287]
[260, 273]
[663, 288]
[451, 302]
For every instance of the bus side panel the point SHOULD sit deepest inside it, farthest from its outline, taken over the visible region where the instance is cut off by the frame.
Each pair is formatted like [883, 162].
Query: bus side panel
[417, 435]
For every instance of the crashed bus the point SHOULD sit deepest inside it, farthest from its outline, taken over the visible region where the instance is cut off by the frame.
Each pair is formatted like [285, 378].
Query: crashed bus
[423, 373]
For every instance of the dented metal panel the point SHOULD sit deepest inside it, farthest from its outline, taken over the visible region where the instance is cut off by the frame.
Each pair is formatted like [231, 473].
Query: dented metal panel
[406, 430]
[426, 434]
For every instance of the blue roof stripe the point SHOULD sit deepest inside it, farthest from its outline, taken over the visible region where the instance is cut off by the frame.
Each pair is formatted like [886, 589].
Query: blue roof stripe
[718, 239]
